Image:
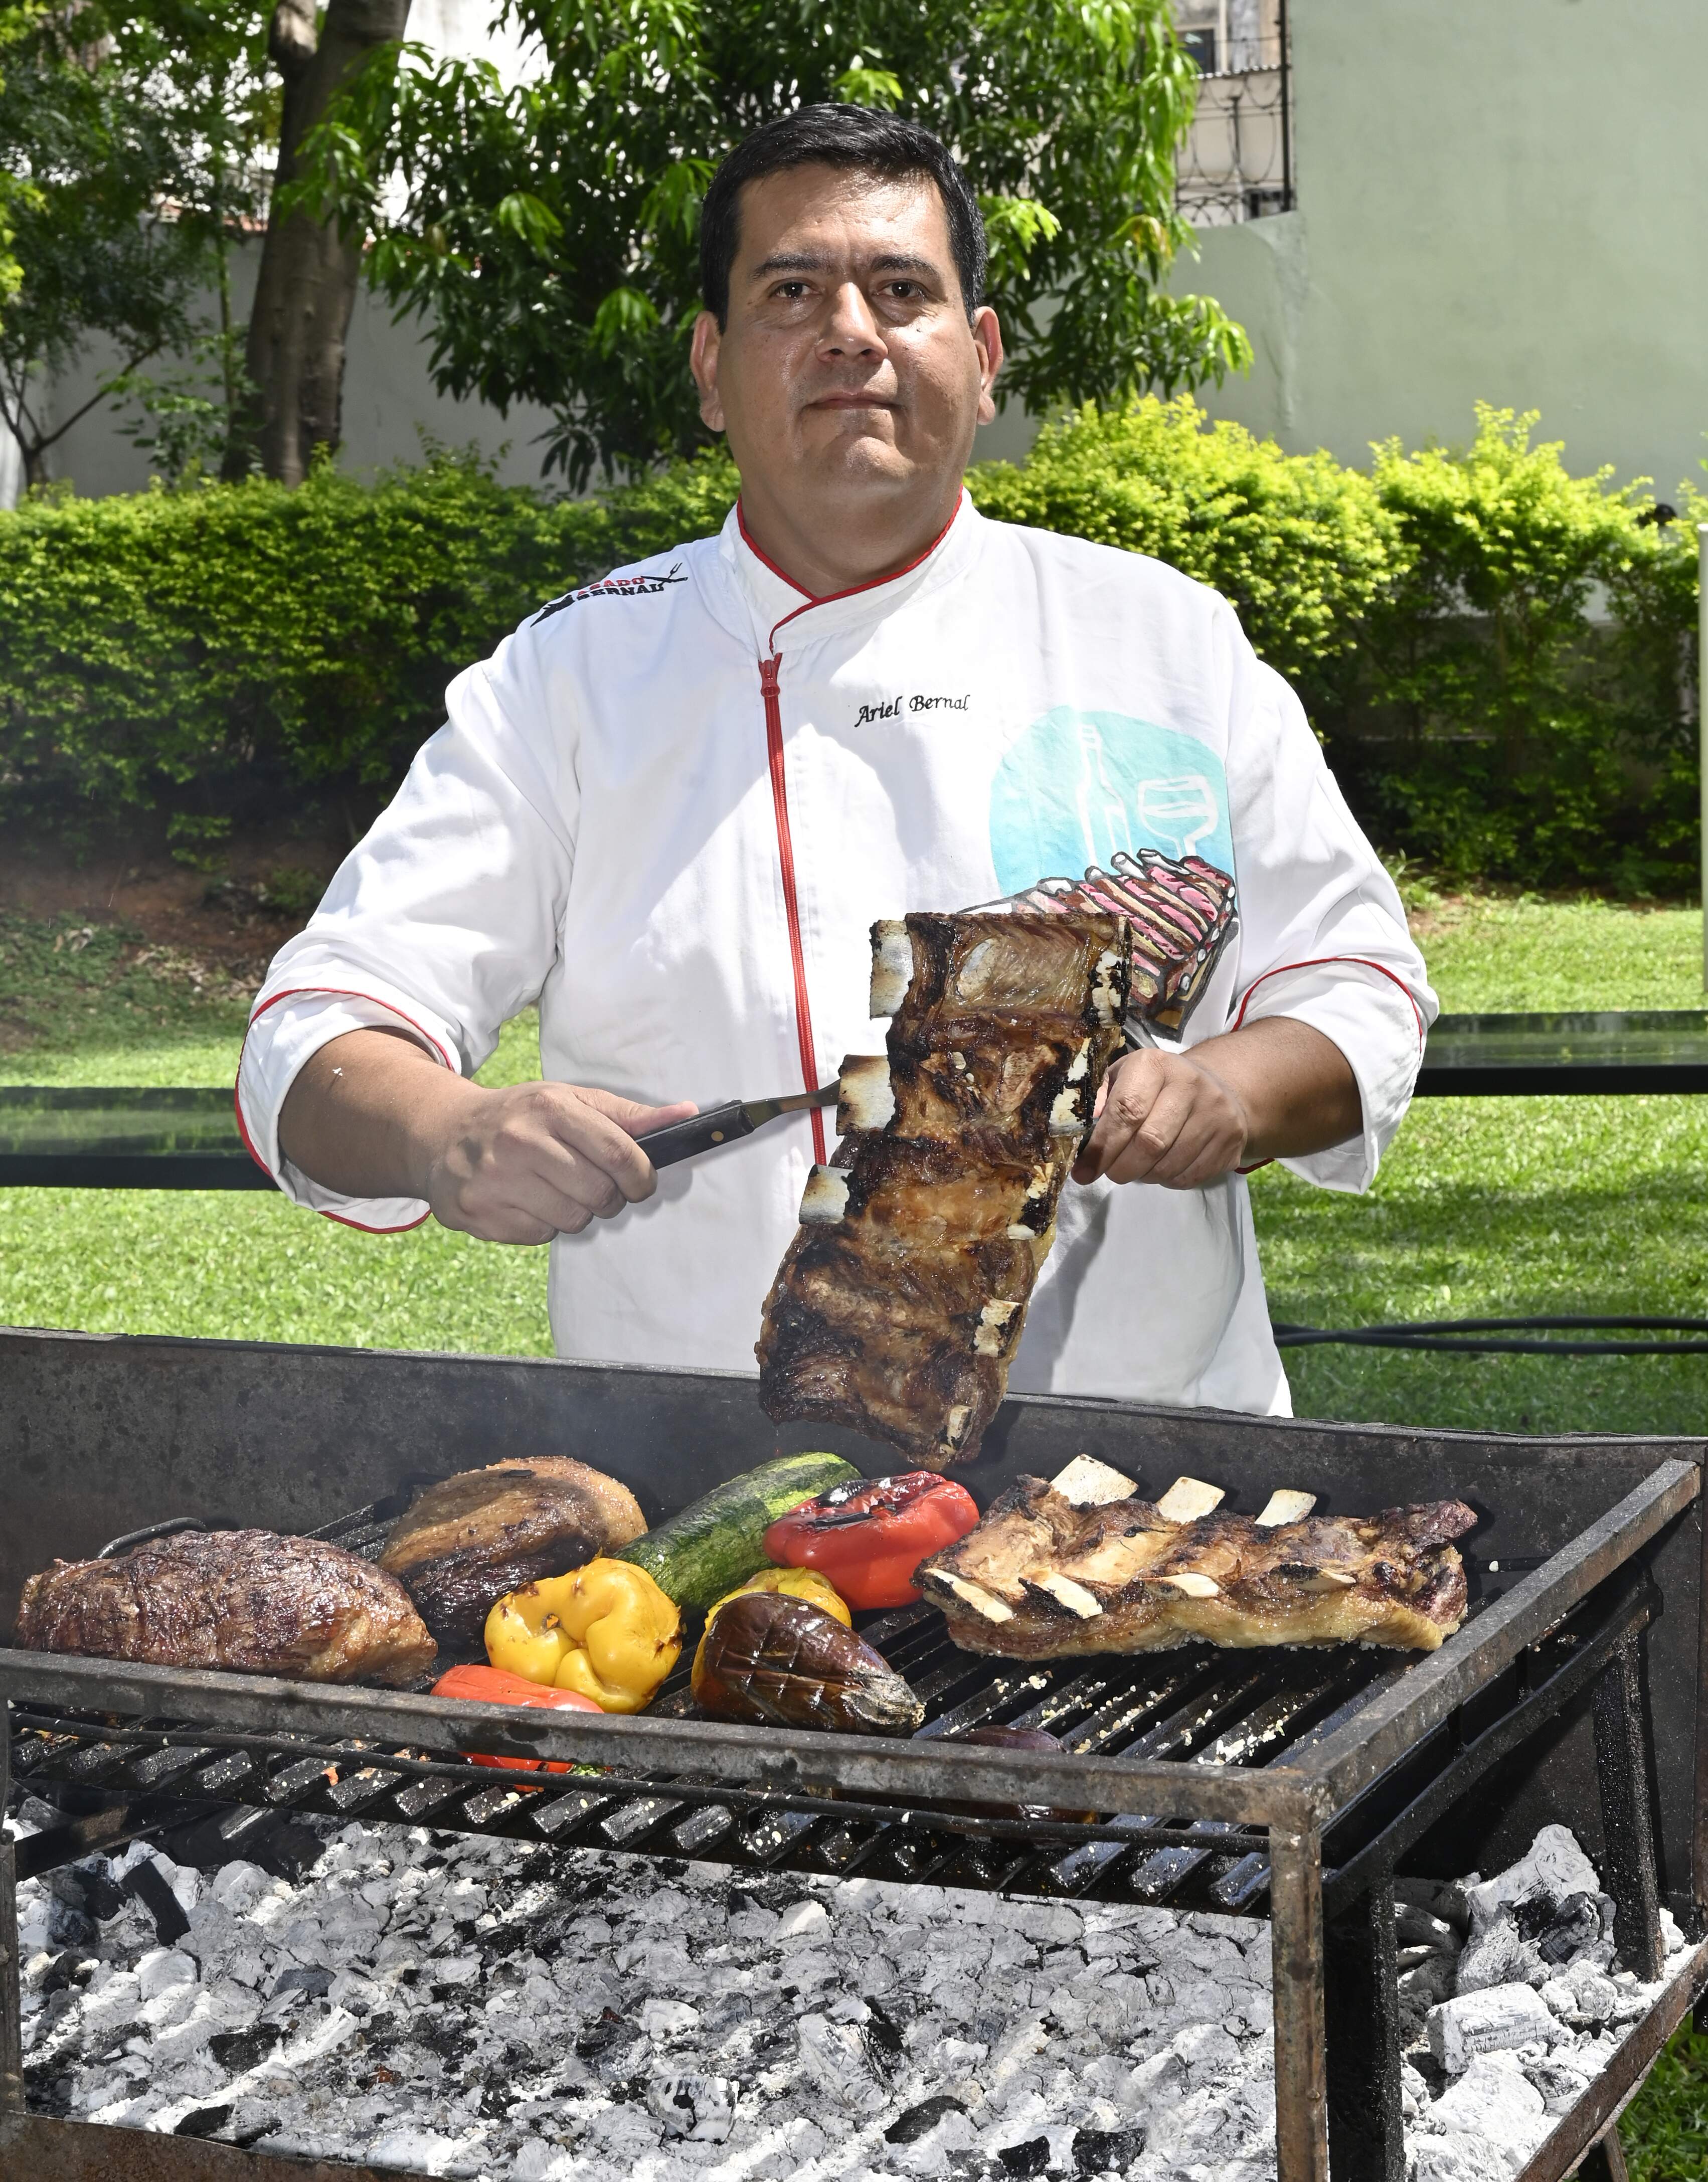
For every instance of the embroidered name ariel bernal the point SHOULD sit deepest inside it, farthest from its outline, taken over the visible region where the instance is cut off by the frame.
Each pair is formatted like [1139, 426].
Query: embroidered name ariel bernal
[616, 587]
[895, 707]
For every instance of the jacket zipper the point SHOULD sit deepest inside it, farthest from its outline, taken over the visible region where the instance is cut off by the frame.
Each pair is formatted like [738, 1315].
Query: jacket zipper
[769, 672]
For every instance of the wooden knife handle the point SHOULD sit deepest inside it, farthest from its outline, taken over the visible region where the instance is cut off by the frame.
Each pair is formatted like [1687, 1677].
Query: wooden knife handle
[717, 1125]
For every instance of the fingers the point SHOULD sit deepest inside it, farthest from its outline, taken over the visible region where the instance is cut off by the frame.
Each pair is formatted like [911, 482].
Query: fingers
[1164, 1120]
[545, 1159]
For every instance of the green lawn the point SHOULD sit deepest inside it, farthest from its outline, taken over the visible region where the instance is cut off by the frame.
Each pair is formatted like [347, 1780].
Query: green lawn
[1484, 1208]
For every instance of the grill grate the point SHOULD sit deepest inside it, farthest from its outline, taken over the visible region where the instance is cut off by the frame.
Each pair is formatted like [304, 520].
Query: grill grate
[1195, 1706]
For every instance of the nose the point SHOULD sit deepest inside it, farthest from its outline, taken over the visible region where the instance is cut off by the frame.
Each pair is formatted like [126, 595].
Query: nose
[849, 327]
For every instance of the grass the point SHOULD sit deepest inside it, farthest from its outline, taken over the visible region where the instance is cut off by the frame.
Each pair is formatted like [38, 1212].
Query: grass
[1511, 1208]
[1484, 1208]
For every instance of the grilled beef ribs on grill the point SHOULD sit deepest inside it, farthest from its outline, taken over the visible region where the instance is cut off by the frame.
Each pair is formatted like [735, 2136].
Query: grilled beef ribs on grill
[899, 1303]
[248, 1601]
[473, 1537]
[1042, 1577]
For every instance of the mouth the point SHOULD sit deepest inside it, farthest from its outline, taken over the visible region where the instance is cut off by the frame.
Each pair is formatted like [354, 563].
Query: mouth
[852, 402]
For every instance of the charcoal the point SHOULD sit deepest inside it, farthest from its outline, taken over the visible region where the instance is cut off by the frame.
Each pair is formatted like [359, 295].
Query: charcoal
[908, 2127]
[1104, 2151]
[1025, 2159]
[146, 1883]
[203, 2122]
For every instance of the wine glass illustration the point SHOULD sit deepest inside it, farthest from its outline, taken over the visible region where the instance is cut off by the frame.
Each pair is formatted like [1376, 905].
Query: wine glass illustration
[1179, 814]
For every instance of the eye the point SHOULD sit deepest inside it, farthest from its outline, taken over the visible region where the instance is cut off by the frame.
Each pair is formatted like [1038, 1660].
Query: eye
[790, 290]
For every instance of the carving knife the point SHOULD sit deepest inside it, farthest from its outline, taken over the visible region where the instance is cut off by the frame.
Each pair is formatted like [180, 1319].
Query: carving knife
[722, 1125]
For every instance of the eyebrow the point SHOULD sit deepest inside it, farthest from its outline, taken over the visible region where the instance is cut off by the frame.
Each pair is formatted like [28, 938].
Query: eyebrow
[804, 261]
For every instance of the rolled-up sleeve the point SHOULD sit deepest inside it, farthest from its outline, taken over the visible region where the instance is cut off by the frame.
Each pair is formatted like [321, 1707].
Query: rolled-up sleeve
[442, 924]
[1323, 935]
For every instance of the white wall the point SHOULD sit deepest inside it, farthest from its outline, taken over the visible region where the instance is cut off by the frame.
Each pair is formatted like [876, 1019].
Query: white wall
[1498, 199]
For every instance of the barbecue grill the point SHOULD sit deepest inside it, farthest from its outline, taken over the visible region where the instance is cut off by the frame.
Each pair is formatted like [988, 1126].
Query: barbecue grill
[1290, 1784]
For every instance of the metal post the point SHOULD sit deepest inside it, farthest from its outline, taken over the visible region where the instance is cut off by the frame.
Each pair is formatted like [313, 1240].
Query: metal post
[1287, 193]
[11, 1964]
[1367, 2134]
[1702, 720]
[1296, 1944]
[1628, 1819]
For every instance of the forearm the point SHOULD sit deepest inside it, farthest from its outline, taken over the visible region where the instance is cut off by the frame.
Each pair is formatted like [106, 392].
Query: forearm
[368, 1111]
[1295, 1086]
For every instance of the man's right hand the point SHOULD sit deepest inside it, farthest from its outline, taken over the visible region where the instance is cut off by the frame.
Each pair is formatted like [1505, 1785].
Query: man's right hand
[372, 1115]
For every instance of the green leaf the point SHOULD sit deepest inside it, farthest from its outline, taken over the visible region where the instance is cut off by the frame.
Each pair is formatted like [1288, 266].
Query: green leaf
[624, 316]
[860, 86]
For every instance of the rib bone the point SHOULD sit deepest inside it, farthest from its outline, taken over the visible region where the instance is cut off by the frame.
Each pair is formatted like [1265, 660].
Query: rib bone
[1285, 1507]
[1089, 1483]
[1187, 1499]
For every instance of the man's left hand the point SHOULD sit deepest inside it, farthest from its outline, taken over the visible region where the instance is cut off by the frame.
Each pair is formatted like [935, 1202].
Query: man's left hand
[1276, 1090]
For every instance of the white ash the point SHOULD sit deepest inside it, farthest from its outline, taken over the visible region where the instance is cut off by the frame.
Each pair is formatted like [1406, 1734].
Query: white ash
[472, 2007]
[1514, 2002]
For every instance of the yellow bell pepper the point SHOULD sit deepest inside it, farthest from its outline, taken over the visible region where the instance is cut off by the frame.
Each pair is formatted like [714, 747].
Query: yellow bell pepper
[795, 1583]
[606, 1631]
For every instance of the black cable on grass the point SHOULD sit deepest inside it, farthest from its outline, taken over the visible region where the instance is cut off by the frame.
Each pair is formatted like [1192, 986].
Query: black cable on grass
[1459, 1337]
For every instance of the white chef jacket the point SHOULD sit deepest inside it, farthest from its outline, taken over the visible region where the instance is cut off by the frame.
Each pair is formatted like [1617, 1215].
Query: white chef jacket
[671, 805]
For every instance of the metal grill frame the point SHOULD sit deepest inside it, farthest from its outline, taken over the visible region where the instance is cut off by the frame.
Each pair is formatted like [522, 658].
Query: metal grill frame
[1342, 2090]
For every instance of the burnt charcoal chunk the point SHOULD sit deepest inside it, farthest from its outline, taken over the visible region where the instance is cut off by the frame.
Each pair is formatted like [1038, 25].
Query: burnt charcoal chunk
[314, 1981]
[147, 1886]
[238, 2051]
[203, 2122]
[1030, 2157]
[909, 2127]
[1107, 2150]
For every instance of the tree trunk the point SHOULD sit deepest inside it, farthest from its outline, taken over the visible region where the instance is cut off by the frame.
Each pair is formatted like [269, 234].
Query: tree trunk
[307, 286]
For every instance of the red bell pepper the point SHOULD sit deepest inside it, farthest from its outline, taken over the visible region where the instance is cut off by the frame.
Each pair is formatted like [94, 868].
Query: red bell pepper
[489, 1686]
[869, 1535]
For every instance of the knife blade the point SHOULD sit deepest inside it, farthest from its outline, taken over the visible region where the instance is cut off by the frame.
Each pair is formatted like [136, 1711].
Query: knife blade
[723, 1124]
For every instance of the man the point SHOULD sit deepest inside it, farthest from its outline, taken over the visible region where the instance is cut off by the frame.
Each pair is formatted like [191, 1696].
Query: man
[671, 805]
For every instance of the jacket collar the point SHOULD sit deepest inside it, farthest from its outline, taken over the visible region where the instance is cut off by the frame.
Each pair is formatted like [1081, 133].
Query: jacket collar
[784, 619]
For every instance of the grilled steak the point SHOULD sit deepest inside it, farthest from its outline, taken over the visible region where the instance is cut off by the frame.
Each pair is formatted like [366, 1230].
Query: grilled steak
[471, 1537]
[900, 1302]
[1043, 1577]
[249, 1600]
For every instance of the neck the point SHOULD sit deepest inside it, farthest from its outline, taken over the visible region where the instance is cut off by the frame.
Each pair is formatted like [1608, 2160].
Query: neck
[826, 558]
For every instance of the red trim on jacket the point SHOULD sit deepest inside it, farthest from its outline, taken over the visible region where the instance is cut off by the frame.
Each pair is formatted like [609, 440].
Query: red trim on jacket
[336, 992]
[1323, 962]
[830, 598]
[769, 679]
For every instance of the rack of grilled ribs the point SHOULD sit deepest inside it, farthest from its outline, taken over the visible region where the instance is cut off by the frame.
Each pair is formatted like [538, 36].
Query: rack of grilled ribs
[248, 1601]
[1181, 912]
[1051, 1571]
[900, 1301]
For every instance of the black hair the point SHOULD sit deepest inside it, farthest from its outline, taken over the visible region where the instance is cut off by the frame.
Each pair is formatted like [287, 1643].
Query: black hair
[851, 136]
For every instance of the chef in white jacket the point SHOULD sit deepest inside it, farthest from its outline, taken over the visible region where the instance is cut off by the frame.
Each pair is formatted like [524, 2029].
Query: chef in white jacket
[671, 805]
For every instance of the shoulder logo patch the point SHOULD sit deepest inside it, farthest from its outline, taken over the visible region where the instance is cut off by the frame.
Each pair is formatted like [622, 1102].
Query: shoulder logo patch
[615, 587]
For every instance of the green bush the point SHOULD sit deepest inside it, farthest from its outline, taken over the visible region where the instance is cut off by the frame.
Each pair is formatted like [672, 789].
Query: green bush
[1301, 546]
[225, 638]
[1498, 655]
[1519, 702]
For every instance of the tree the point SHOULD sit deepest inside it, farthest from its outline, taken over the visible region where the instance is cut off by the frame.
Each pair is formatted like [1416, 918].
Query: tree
[547, 231]
[128, 129]
[310, 264]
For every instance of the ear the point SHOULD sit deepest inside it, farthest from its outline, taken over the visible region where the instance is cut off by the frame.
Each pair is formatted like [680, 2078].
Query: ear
[704, 351]
[987, 339]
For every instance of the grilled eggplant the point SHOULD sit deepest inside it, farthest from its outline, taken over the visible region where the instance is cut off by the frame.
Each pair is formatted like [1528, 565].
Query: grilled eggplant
[473, 1537]
[774, 1659]
[900, 1303]
[1045, 1576]
[248, 1601]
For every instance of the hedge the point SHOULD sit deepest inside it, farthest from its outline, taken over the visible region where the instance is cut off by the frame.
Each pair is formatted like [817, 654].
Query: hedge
[210, 649]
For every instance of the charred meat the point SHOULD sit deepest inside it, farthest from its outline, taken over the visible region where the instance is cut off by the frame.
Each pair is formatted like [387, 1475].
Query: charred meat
[471, 1538]
[1045, 1575]
[247, 1601]
[900, 1302]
